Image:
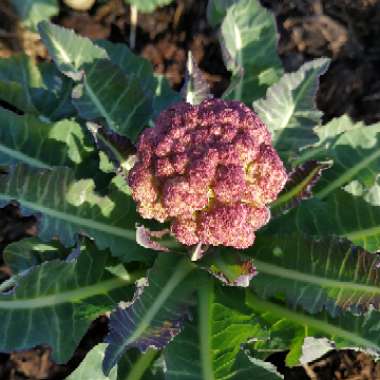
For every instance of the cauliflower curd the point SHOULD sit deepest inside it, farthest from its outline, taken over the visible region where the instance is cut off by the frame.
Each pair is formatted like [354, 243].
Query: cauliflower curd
[210, 170]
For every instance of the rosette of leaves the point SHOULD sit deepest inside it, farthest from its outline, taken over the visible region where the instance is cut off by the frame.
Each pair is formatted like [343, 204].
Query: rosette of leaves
[67, 134]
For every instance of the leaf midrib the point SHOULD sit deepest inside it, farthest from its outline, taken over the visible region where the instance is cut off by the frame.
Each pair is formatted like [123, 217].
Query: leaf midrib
[362, 234]
[19, 156]
[257, 303]
[69, 296]
[58, 47]
[74, 219]
[295, 190]
[312, 279]
[98, 104]
[205, 330]
[347, 175]
[179, 274]
[277, 133]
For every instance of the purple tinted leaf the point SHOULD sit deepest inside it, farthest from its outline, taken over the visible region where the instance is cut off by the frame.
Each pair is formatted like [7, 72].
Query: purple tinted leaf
[299, 186]
[122, 325]
[157, 312]
[74, 254]
[144, 238]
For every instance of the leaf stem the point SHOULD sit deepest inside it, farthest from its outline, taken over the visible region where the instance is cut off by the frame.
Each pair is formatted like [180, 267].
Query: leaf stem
[293, 192]
[134, 19]
[205, 295]
[142, 364]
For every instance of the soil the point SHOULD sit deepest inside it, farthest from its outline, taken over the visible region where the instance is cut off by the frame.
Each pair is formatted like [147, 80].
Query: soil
[348, 31]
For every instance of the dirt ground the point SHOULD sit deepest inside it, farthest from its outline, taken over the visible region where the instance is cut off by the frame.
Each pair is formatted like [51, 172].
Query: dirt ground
[348, 31]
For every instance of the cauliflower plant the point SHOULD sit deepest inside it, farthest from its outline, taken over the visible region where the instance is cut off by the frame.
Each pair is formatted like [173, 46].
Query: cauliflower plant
[210, 170]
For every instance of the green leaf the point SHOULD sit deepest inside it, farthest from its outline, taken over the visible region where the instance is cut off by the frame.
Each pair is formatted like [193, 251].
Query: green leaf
[148, 6]
[249, 40]
[32, 12]
[289, 109]
[69, 51]
[209, 347]
[355, 154]
[91, 366]
[26, 139]
[157, 86]
[140, 366]
[133, 366]
[18, 75]
[117, 149]
[234, 270]
[74, 54]
[32, 88]
[328, 274]
[216, 11]
[299, 186]
[107, 93]
[195, 88]
[69, 207]
[371, 195]
[53, 100]
[335, 127]
[288, 327]
[157, 312]
[342, 214]
[327, 134]
[27, 253]
[66, 296]
[315, 348]
[130, 63]
[164, 95]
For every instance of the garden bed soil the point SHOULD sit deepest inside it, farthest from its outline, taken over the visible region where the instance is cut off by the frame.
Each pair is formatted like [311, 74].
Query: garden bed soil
[348, 31]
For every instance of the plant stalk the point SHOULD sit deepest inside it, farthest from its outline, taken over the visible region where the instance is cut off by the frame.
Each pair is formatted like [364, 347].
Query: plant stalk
[134, 20]
[142, 364]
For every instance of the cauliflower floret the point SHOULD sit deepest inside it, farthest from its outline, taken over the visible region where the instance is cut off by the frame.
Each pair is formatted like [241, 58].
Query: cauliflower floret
[210, 170]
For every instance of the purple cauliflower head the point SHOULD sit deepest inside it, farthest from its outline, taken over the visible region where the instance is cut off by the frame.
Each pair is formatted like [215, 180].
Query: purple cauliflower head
[210, 170]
